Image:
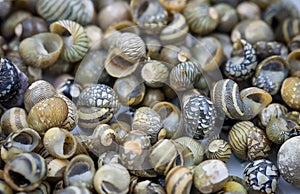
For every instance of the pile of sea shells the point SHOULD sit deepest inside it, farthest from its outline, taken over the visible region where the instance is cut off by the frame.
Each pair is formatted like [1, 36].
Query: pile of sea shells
[148, 96]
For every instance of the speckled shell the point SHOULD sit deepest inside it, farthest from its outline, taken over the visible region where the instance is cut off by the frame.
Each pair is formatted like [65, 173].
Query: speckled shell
[60, 143]
[76, 45]
[262, 175]
[241, 67]
[81, 11]
[96, 104]
[179, 179]
[36, 92]
[47, 113]
[202, 18]
[199, 116]
[218, 149]
[273, 110]
[13, 119]
[288, 161]
[31, 170]
[290, 92]
[149, 121]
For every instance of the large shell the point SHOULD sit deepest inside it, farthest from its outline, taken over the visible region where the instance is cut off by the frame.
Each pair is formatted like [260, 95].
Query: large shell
[248, 10]
[179, 179]
[96, 104]
[75, 45]
[80, 11]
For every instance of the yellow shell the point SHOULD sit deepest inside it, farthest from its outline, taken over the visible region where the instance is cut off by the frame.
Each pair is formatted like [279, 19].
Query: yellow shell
[290, 92]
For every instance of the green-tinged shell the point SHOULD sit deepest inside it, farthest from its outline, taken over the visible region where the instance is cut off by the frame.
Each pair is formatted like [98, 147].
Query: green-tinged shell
[60, 143]
[80, 172]
[80, 11]
[179, 179]
[25, 172]
[202, 18]
[152, 96]
[20, 141]
[273, 110]
[75, 45]
[96, 105]
[112, 178]
[262, 175]
[248, 10]
[41, 50]
[5, 188]
[12, 120]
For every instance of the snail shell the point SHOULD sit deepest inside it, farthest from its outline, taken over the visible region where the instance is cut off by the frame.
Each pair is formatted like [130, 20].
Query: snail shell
[273, 110]
[56, 168]
[80, 172]
[5, 188]
[199, 116]
[248, 142]
[290, 92]
[262, 175]
[179, 179]
[288, 29]
[76, 10]
[96, 105]
[43, 188]
[51, 112]
[173, 5]
[202, 18]
[293, 61]
[243, 106]
[6, 6]
[265, 49]
[248, 10]
[66, 85]
[12, 120]
[112, 178]
[36, 92]
[73, 189]
[155, 73]
[31, 26]
[218, 149]
[228, 17]
[152, 96]
[294, 116]
[95, 36]
[25, 172]
[242, 66]
[145, 187]
[41, 50]
[75, 45]
[108, 157]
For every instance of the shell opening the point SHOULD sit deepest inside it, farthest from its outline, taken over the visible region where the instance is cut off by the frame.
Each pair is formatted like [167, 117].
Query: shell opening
[18, 179]
[24, 139]
[78, 169]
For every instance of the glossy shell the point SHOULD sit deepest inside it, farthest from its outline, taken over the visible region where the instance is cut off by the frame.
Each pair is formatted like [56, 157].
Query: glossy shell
[179, 179]
[290, 92]
[248, 10]
[56, 168]
[218, 149]
[107, 179]
[47, 113]
[273, 110]
[60, 143]
[262, 175]
[155, 73]
[202, 18]
[31, 26]
[67, 86]
[75, 45]
[152, 96]
[25, 172]
[96, 104]
[79, 11]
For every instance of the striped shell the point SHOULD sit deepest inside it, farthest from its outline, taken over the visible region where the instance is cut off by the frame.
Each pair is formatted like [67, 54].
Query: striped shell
[173, 5]
[148, 187]
[183, 76]
[179, 180]
[96, 104]
[76, 45]
[199, 116]
[262, 175]
[294, 62]
[241, 67]
[202, 18]
[288, 29]
[218, 149]
[80, 11]
[175, 32]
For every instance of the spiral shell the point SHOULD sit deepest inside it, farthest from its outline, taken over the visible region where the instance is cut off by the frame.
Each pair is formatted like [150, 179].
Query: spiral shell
[147, 186]
[67, 86]
[218, 149]
[202, 18]
[199, 116]
[25, 172]
[80, 11]
[179, 179]
[228, 17]
[290, 92]
[241, 67]
[96, 104]
[173, 5]
[75, 45]
[273, 110]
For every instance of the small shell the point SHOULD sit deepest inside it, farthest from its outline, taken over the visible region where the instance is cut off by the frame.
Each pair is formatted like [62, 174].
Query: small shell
[96, 104]
[179, 179]
[73, 190]
[173, 5]
[36, 92]
[184, 75]
[294, 63]
[152, 96]
[288, 29]
[202, 18]
[262, 175]
[293, 116]
[242, 65]
[23, 140]
[265, 49]
[218, 149]
[130, 90]
[173, 55]
[12, 120]
[76, 10]
[56, 168]
[295, 43]
[5, 188]
[80, 172]
[228, 17]
[175, 31]
[273, 110]
[43, 188]
[108, 157]
[25, 172]
[60, 143]
[145, 187]
[75, 45]
[121, 128]
[112, 178]
[199, 115]
[210, 176]
[66, 85]
[51, 112]
[155, 73]
[147, 120]
[41, 50]
[31, 26]
[290, 92]
[248, 10]
[95, 36]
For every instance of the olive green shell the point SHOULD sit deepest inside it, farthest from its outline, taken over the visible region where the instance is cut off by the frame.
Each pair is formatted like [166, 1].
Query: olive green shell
[80, 11]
